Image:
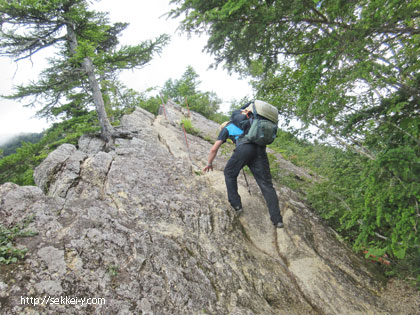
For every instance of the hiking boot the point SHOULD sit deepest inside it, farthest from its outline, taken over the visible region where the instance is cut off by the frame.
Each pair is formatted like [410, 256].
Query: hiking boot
[279, 225]
[238, 210]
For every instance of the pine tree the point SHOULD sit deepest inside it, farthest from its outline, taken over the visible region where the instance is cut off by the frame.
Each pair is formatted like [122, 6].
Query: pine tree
[86, 44]
[351, 69]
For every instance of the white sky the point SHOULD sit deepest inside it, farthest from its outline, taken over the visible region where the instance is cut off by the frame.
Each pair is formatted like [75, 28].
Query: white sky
[146, 22]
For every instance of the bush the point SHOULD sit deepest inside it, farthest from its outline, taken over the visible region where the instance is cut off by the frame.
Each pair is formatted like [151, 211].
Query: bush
[189, 127]
[18, 168]
[372, 203]
[8, 252]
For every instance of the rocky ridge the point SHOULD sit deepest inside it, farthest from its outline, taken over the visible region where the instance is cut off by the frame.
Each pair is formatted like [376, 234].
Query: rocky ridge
[140, 230]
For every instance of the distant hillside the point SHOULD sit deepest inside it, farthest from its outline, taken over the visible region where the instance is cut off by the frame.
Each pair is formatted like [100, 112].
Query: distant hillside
[10, 146]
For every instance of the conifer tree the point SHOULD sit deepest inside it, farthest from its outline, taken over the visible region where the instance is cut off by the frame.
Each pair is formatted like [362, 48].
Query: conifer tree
[87, 51]
[186, 90]
[350, 68]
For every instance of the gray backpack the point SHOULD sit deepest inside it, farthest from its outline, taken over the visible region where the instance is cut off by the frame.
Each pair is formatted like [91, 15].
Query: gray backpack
[263, 128]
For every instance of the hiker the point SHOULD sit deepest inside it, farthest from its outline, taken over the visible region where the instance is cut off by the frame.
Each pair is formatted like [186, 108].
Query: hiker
[246, 153]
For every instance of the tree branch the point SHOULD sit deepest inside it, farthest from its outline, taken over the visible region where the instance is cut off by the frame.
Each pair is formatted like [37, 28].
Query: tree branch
[33, 52]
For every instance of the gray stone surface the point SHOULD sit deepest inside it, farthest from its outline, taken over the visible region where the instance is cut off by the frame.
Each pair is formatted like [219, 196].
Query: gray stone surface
[143, 229]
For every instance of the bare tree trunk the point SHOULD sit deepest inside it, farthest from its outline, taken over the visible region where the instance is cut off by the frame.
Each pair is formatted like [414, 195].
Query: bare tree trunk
[106, 128]
[106, 97]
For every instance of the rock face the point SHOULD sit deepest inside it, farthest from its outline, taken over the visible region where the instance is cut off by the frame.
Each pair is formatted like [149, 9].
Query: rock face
[140, 230]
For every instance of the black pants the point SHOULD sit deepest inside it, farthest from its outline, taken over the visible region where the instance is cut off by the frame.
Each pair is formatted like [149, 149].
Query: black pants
[255, 157]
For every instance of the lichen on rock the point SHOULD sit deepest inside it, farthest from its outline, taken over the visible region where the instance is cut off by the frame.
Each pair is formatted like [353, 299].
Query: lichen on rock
[141, 229]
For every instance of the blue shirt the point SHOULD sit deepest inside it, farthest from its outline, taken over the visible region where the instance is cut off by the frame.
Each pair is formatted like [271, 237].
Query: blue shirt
[231, 131]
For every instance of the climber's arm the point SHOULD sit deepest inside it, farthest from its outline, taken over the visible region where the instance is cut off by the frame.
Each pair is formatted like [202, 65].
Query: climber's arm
[212, 155]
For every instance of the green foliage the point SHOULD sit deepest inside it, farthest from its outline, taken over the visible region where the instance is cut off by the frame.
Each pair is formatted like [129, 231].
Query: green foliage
[303, 153]
[309, 55]
[407, 268]
[61, 87]
[151, 104]
[8, 252]
[189, 128]
[219, 117]
[18, 168]
[349, 68]
[373, 204]
[185, 91]
[11, 145]
[113, 270]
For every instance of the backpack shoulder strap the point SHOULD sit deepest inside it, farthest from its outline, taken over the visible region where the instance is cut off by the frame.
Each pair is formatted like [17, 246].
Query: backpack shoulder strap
[254, 112]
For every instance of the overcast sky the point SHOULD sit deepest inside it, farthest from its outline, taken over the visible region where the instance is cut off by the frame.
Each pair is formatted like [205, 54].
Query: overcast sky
[146, 22]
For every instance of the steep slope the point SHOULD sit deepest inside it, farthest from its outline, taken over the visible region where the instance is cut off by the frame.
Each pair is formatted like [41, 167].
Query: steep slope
[140, 230]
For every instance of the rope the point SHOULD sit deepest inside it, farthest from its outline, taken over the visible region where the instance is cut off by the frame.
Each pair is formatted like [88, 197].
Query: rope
[186, 142]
